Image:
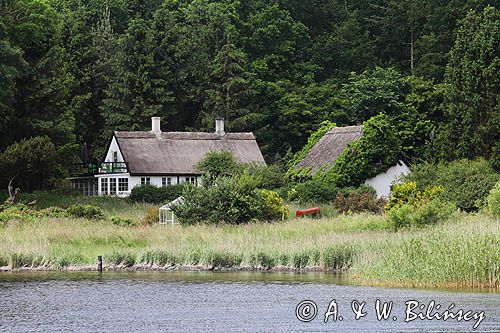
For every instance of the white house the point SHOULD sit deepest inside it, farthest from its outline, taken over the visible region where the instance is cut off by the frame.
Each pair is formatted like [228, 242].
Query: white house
[165, 158]
[326, 151]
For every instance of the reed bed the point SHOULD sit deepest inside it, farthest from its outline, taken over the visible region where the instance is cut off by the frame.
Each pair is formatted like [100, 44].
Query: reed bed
[463, 252]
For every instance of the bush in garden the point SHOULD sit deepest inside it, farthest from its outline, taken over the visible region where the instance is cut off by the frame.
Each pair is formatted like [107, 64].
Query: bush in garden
[359, 201]
[156, 195]
[493, 201]
[85, 211]
[272, 206]
[234, 200]
[151, 217]
[466, 183]
[408, 193]
[316, 191]
[409, 215]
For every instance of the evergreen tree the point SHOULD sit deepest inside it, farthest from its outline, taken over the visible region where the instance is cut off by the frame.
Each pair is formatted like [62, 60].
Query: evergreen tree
[137, 93]
[472, 105]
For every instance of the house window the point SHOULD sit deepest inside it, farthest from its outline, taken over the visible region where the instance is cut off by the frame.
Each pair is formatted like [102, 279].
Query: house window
[122, 184]
[191, 180]
[104, 186]
[145, 181]
[166, 181]
[112, 186]
[115, 156]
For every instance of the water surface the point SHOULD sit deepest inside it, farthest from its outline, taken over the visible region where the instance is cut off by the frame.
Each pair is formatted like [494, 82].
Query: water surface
[221, 302]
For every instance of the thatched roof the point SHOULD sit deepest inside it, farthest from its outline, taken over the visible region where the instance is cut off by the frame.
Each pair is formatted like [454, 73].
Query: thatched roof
[179, 152]
[328, 148]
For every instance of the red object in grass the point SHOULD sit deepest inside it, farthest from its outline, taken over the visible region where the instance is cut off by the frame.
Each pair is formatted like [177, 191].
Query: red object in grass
[301, 212]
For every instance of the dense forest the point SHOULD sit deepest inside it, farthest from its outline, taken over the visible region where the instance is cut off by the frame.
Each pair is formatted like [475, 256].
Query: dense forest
[72, 71]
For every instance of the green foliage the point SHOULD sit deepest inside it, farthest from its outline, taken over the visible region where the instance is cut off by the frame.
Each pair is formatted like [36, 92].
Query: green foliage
[408, 193]
[377, 150]
[86, 211]
[279, 69]
[430, 212]
[272, 206]
[267, 177]
[156, 195]
[31, 160]
[466, 183]
[312, 191]
[493, 201]
[123, 221]
[472, 105]
[22, 212]
[233, 200]
[218, 164]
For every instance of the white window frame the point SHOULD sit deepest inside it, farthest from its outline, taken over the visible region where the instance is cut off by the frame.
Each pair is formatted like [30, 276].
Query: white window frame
[112, 185]
[145, 181]
[104, 186]
[122, 182]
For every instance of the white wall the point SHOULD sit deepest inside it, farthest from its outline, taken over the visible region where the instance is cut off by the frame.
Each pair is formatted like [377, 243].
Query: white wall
[134, 181]
[382, 182]
[113, 147]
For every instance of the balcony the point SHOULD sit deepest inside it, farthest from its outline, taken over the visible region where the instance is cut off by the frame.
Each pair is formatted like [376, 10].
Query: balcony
[113, 167]
[83, 169]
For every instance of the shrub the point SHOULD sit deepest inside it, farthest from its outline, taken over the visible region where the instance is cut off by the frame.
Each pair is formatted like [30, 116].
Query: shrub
[156, 195]
[151, 217]
[53, 212]
[218, 164]
[466, 183]
[272, 206]
[408, 193]
[493, 201]
[431, 212]
[359, 201]
[312, 191]
[123, 222]
[19, 211]
[86, 211]
[233, 200]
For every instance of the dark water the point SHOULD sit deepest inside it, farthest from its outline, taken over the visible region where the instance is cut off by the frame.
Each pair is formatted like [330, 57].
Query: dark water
[216, 302]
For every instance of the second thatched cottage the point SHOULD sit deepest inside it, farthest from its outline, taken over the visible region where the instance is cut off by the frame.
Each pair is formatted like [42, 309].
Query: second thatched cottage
[325, 152]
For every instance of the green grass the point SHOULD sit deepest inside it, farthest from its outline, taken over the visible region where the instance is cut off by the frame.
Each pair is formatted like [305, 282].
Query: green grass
[463, 252]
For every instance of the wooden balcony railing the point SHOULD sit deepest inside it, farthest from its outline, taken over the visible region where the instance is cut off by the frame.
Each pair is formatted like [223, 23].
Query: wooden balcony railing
[113, 167]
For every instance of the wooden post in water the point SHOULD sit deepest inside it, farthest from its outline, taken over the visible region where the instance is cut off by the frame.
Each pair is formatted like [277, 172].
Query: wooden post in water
[99, 264]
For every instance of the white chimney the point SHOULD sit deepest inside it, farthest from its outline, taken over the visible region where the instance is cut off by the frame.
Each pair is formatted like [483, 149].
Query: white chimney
[219, 126]
[155, 125]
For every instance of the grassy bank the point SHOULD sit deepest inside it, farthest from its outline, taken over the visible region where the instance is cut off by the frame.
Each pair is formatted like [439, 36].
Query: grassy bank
[463, 252]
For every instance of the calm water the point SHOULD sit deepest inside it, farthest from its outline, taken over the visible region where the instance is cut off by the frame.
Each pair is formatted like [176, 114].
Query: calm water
[221, 302]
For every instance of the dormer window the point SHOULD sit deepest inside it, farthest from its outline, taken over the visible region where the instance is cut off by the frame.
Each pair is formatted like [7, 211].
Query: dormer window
[115, 156]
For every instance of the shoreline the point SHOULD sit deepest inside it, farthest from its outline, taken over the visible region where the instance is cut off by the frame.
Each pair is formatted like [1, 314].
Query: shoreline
[172, 268]
[353, 278]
